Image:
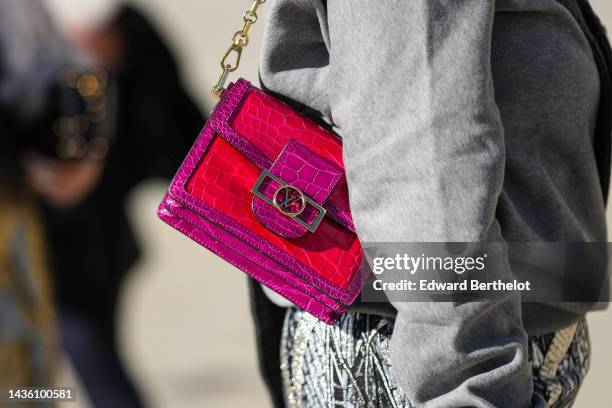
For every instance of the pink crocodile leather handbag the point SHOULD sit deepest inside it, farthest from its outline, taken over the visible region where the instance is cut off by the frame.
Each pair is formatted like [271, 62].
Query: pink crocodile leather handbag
[264, 188]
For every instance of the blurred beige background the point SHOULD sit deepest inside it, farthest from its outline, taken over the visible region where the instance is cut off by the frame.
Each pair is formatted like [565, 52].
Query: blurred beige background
[182, 350]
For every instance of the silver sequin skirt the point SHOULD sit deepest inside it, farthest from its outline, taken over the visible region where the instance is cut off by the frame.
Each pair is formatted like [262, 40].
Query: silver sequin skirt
[348, 364]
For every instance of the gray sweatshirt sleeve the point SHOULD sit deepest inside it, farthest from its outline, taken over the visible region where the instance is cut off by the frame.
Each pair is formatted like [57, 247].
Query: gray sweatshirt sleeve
[413, 98]
[409, 86]
[424, 153]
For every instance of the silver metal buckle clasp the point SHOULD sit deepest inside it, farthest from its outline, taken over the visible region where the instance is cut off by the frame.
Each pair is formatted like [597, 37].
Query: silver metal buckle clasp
[290, 201]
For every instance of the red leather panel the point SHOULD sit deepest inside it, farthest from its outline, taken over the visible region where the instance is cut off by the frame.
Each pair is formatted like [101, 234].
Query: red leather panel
[224, 180]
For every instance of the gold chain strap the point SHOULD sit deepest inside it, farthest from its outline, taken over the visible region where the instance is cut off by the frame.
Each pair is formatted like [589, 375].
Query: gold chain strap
[240, 39]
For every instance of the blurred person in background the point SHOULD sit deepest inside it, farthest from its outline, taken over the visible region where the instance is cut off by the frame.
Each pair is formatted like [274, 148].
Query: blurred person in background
[31, 52]
[28, 337]
[136, 122]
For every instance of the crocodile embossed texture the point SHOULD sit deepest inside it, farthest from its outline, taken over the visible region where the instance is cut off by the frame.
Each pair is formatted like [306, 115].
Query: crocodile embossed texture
[224, 180]
[307, 171]
[269, 124]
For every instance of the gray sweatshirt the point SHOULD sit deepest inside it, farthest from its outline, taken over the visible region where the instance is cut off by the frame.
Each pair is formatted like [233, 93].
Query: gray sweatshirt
[462, 121]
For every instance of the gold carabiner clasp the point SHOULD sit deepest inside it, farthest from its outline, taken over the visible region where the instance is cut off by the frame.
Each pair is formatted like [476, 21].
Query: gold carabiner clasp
[232, 65]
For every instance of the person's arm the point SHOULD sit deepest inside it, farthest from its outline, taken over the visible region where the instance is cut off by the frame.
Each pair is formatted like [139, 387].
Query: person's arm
[410, 89]
[413, 99]
[424, 153]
